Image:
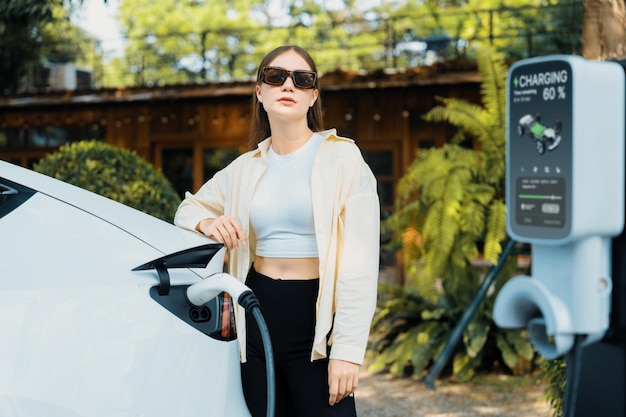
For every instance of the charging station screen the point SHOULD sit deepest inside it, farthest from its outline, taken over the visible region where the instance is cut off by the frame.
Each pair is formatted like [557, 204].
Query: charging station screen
[540, 149]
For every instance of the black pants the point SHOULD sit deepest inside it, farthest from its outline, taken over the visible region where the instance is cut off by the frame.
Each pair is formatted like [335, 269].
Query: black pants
[288, 307]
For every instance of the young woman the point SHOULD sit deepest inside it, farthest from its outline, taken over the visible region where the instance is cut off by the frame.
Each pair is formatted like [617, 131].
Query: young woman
[300, 216]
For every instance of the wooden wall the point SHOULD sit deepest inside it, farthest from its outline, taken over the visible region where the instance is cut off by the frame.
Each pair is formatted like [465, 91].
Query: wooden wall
[383, 116]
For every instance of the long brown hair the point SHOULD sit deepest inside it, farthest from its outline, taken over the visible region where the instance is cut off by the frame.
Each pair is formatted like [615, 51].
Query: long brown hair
[260, 122]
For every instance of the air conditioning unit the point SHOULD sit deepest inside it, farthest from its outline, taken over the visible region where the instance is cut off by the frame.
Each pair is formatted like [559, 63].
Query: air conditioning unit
[69, 77]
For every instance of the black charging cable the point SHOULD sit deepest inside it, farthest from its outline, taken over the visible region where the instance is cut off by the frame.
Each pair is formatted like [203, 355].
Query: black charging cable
[572, 376]
[249, 301]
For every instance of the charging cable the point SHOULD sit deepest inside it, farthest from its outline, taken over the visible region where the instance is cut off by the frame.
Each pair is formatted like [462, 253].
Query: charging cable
[203, 291]
[572, 377]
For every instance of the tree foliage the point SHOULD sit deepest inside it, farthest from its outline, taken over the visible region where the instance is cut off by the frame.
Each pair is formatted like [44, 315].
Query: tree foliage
[38, 32]
[196, 41]
[170, 42]
[20, 40]
[523, 28]
[450, 209]
[63, 42]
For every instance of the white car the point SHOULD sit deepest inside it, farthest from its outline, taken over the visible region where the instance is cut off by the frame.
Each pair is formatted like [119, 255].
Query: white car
[94, 317]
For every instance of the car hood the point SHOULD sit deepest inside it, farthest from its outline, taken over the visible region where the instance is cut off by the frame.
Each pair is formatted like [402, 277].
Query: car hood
[162, 235]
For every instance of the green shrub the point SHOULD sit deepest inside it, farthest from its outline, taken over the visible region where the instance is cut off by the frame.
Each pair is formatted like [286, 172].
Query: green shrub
[116, 173]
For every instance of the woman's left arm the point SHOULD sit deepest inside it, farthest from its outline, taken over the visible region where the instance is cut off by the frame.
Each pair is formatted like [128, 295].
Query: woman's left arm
[357, 281]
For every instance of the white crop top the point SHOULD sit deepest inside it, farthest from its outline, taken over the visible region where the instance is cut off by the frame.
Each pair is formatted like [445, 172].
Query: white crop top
[281, 210]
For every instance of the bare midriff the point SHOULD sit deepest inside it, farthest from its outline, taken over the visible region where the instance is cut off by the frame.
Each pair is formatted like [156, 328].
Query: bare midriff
[287, 268]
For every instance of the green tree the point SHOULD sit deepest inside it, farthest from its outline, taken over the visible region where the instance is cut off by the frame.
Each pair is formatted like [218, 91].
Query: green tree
[64, 42]
[36, 32]
[523, 28]
[342, 36]
[517, 28]
[115, 173]
[20, 39]
[192, 41]
[451, 202]
[171, 41]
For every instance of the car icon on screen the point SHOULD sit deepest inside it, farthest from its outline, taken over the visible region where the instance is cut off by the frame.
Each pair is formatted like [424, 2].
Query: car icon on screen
[545, 138]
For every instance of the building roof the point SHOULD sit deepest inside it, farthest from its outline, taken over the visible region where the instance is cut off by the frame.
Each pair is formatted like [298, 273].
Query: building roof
[448, 72]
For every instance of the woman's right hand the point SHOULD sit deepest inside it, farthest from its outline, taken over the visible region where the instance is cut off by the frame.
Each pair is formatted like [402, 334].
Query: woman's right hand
[224, 229]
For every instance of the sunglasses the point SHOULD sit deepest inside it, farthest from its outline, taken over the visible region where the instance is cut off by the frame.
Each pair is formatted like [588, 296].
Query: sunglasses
[278, 76]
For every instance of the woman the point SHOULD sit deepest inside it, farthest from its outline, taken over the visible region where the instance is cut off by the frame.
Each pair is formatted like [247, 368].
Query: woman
[300, 216]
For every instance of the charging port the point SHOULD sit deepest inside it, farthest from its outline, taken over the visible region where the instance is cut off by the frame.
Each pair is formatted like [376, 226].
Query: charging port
[200, 314]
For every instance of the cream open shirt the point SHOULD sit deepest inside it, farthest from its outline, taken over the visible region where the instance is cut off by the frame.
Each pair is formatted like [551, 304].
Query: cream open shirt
[347, 227]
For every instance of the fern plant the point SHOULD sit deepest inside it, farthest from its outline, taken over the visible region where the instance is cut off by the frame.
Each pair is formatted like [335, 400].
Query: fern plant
[450, 209]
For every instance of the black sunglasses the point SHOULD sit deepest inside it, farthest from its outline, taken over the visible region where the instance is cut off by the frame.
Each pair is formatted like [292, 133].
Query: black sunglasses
[278, 76]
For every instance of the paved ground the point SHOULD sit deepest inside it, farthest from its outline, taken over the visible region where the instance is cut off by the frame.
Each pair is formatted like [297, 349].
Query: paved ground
[382, 395]
[498, 396]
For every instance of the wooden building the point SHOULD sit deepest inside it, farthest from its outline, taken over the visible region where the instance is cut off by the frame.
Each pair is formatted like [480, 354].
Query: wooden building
[190, 131]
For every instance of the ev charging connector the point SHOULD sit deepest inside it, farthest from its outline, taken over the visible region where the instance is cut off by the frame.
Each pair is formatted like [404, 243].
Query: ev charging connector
[203, 291]
[565, 196]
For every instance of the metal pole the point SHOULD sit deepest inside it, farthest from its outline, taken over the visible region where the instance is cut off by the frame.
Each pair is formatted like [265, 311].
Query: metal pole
[467, 316]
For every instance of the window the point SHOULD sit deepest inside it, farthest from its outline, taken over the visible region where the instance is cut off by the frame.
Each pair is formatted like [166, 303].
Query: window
[427, 144]
[178, 169]
[93, 132]
[12, 195]
[216, 159]
[177, 165]
[12, 139]
[381, 163]
[50, 137]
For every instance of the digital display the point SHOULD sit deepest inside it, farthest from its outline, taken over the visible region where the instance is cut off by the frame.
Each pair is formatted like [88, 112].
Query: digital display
[540, 202]
[539, 149]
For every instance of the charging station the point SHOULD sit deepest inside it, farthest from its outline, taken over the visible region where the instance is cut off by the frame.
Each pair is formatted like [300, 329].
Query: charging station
[565, 196]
